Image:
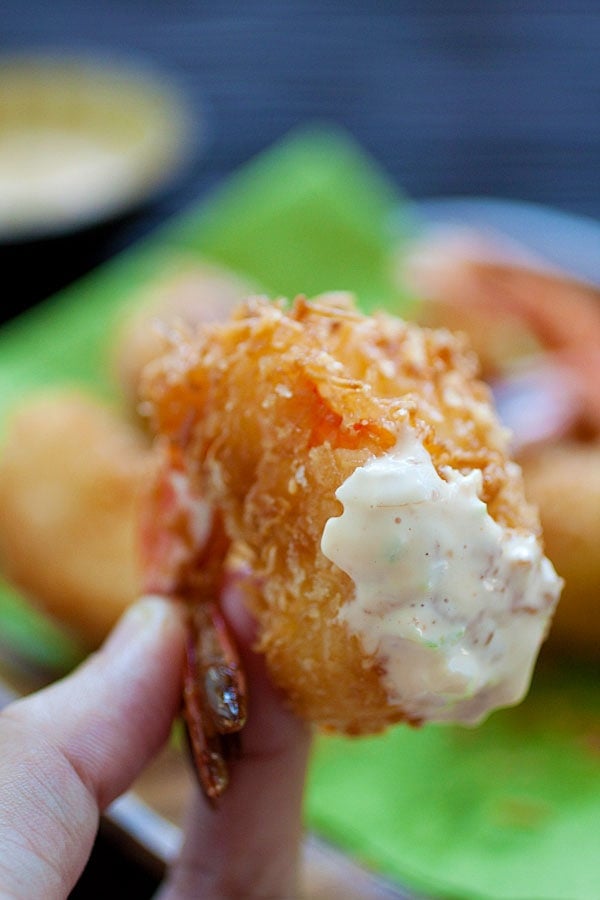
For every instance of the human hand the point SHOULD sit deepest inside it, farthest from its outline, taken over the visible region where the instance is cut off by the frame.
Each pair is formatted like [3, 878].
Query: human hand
[68, 751]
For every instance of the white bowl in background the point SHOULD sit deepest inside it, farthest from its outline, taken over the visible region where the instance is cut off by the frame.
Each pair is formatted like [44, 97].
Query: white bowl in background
[83, 140]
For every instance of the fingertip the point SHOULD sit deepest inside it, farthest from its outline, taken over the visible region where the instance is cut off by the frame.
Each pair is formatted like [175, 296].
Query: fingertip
[117, 709]
[153, 617]
[235, 605]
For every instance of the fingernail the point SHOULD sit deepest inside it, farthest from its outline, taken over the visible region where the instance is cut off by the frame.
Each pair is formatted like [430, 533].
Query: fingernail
[144, 619]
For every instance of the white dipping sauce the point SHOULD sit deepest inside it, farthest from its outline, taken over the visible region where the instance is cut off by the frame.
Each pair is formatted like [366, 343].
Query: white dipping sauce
[452, 606]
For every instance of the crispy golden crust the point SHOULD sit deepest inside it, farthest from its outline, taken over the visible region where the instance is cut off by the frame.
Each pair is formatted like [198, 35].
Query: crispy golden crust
[272, 412]
[70, 479]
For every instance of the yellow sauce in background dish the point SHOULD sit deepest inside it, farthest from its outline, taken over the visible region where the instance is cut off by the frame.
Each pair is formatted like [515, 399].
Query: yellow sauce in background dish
[81, 141]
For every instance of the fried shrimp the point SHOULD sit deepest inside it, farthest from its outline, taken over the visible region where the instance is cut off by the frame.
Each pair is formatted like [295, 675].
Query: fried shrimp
[71, 473]
[192, 292]
[356, 466]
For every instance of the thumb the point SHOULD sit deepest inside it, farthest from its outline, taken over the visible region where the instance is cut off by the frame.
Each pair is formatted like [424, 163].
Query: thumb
[69, 750]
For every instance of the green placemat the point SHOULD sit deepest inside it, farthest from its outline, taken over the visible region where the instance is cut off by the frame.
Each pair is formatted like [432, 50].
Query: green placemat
[511, 810]
[508, 810]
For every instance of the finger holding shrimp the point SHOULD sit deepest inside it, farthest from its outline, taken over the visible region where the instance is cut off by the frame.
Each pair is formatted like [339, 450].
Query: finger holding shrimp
[249, 845]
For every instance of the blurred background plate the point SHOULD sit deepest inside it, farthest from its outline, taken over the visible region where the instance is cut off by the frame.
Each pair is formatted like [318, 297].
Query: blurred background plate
[569, 242]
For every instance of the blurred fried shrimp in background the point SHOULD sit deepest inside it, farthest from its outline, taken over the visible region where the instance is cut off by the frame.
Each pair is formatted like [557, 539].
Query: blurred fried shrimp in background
[190, 293]
[71, 472]
[513, 309]
[564, 480]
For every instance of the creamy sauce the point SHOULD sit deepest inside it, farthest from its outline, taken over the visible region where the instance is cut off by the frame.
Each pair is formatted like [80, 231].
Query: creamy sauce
[452, 606]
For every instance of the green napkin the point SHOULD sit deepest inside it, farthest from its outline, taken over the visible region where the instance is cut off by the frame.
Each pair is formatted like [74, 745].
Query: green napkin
[506, 811]
[313, 214]
[510, 810]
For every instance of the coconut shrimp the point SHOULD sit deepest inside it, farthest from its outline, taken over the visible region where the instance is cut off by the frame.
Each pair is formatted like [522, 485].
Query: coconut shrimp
[351, 470]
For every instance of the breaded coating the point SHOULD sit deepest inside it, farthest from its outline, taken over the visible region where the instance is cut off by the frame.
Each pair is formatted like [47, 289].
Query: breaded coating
[270, 413]
[71, 473]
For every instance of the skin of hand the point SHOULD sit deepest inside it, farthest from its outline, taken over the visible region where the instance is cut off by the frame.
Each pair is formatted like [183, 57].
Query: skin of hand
[69, 750]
